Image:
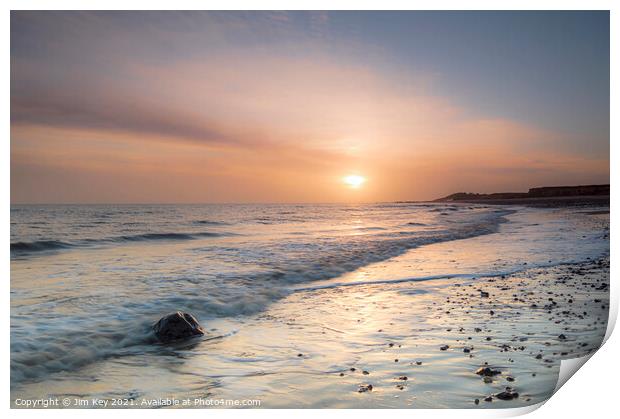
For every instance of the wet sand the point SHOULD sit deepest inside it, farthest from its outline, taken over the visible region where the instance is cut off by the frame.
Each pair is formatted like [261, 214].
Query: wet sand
[420, 346]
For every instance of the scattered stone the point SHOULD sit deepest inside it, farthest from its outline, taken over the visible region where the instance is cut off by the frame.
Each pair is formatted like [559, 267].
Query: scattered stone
[488, 399]
[364, 388]
[403, 378]
[444, 347]
[487, 372]
[177, 326]
[508, 394]
[562, 337]
[365, 372]
[476, 401]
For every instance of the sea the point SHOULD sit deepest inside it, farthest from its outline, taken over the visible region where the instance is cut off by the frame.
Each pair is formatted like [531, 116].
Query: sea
[89, 281]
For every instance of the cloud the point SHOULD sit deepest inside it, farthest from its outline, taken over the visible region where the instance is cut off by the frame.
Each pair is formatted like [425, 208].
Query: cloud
[234, 122]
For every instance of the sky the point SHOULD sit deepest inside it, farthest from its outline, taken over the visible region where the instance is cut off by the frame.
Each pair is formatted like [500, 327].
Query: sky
[175, 107]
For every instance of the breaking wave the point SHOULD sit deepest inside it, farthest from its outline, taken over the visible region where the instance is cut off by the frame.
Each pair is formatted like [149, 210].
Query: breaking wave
[26, 248]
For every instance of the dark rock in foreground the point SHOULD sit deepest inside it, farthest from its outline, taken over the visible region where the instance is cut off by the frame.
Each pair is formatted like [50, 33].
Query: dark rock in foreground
[509, 394]
[363, 388]
[177, 326]
[487, 372]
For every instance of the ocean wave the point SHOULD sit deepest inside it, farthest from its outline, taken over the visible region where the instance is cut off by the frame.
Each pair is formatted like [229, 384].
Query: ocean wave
[210, 222]
[72, 349]
[370, 228]
[129, 332]
[125, 330]
[39, 246]
[163, 236]
[326, 263]
[125, 334]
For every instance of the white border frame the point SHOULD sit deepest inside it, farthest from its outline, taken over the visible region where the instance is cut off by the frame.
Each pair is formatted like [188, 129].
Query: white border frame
[591, 393]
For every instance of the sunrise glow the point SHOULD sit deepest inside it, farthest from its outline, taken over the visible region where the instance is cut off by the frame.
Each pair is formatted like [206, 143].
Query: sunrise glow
[354, 181]
[238, 114]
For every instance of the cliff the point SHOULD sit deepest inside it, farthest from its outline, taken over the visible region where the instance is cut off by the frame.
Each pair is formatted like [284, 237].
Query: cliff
[541, 192]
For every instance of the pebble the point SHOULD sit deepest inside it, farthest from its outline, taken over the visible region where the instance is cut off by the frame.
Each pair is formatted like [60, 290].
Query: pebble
[509, 394]
[487, 372]
[364, 388]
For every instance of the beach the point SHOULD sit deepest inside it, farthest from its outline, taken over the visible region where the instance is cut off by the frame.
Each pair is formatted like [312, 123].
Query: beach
[401, 314]
[547, 202]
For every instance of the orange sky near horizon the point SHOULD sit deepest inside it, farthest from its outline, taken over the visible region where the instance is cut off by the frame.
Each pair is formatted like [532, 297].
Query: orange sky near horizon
[257, 124]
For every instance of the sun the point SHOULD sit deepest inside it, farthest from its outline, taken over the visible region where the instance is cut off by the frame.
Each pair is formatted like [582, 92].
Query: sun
[354, 181]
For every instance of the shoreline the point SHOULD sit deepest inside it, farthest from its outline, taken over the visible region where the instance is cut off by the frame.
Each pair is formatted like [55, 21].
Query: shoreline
[542, 202]
[470, 325]
[323, 347]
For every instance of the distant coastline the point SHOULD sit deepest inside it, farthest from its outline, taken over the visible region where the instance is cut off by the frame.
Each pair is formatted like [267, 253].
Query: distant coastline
[546, 196]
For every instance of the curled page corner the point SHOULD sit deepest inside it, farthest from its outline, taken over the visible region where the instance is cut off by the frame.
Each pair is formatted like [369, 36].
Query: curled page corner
[517, 411]
[568, 368]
